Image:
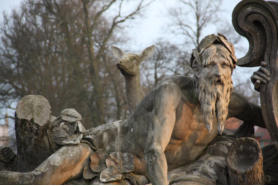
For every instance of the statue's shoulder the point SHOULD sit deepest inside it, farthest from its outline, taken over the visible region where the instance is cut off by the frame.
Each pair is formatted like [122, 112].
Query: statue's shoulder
[184, 82]
[187, 86]
[180, 82]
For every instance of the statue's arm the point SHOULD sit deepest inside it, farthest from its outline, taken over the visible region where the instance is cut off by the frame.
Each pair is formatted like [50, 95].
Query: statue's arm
[64, 164]
[160, 130]
[242, 109]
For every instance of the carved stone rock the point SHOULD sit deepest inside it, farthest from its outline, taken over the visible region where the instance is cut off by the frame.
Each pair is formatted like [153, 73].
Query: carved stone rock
[88, 174]
[70, 115]
[33, 113]
[34, 107]
[245, 162]
[97, 161]
[110, 174]
[122, 161]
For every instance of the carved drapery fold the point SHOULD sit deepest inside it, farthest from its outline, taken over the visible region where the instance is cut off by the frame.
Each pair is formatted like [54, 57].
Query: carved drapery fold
[257, 20]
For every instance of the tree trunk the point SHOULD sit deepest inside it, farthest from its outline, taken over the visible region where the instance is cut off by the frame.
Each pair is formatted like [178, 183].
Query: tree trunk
[32, 117]
[245, 162]
[270, 154]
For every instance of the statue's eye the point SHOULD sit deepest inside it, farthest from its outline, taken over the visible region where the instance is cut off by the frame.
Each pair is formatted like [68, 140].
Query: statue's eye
[209, 65]
[223, 65]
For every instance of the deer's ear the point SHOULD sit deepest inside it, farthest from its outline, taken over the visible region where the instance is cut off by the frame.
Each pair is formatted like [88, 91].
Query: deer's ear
[148, 52]
[118, 53]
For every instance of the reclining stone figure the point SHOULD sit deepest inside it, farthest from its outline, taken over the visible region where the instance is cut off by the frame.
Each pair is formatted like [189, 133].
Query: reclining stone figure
[171, 127]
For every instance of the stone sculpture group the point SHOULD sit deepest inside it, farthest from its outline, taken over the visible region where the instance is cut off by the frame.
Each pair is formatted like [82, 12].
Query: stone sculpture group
[174, 135]
[170, 132]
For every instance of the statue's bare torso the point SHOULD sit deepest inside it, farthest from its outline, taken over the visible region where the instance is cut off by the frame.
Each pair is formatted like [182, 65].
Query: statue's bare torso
[189, 136]
[170, 127]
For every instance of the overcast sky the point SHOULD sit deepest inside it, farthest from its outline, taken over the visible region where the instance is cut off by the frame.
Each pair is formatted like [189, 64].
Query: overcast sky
[148, 28]
[154, 24]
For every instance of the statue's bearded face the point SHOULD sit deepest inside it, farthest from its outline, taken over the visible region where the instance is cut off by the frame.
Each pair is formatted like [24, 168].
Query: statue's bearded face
[215, 86]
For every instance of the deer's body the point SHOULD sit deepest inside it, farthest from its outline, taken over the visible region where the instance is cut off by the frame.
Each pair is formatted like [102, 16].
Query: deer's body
[129, 65]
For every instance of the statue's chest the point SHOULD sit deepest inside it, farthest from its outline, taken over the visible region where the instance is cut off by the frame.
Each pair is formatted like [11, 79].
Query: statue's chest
[189, 126]
[189, 137]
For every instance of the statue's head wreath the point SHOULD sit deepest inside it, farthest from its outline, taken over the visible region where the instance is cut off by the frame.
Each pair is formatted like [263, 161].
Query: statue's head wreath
[206, 43]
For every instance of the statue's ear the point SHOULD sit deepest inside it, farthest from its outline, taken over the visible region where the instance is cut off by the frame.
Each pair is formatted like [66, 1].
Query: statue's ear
[148, 52]
[118, 53]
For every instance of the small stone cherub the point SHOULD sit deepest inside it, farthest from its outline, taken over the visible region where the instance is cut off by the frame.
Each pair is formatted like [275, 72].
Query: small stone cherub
[67, 129]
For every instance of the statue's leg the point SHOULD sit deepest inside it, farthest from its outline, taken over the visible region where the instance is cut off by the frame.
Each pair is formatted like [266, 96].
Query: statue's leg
[64, 164]
[161, 127]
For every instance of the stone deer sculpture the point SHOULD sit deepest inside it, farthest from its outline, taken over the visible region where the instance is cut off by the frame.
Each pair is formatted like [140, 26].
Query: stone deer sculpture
[129, 65]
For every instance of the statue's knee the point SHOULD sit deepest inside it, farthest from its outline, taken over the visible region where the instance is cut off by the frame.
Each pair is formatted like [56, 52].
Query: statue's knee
[153, 153]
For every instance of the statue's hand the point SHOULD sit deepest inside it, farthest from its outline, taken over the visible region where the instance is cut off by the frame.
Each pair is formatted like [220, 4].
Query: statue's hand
[262, 76]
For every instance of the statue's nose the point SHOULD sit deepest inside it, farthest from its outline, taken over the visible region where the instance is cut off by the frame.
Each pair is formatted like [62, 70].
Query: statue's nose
[217, 75]
[218, 71]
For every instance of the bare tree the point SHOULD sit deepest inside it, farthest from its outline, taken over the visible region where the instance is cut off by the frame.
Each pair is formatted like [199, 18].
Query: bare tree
[193, 17]
[59, 49]
[168, 60]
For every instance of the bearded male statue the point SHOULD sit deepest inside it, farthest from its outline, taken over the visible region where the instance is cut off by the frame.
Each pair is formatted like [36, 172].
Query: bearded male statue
[171, 127]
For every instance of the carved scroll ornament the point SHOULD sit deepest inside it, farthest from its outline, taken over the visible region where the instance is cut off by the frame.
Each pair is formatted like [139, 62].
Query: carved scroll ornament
[257, 20]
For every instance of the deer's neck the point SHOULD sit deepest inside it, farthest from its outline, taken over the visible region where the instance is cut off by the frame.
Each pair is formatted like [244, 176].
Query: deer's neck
[133, 91]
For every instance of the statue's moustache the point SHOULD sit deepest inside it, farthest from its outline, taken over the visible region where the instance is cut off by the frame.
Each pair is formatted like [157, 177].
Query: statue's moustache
[218, 80]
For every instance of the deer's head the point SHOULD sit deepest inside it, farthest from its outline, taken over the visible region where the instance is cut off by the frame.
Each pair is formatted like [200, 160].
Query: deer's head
[129, 63]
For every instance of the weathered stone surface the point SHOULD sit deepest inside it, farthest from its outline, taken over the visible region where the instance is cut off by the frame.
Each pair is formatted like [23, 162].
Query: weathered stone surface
[63, 132]
[96, 181]
[209, 169]
[79, 181]
[129, 65]
[270, 163]
[7, 159]
[34, 107]
[245, 162]
[32, 144]
[70, 115]
[136, 179]
[6, 154]
[110, 174]
[97, 161]
[61, 136]
[124, 162]
[87, 173]
[65, 164]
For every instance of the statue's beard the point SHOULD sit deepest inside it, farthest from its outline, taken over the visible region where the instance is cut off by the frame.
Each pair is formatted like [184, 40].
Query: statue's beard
[214, 96]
